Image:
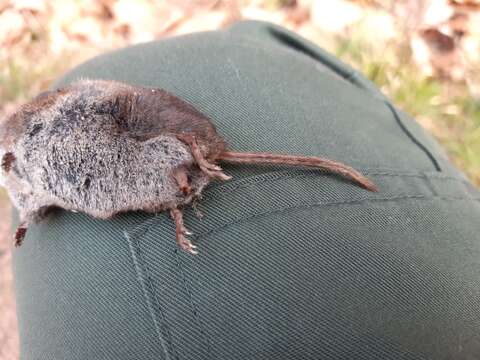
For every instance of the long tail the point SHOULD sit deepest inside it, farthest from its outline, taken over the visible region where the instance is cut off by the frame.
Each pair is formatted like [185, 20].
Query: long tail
[302, 161]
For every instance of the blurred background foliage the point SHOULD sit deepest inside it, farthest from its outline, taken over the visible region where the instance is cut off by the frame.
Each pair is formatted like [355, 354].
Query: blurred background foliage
[424, 54]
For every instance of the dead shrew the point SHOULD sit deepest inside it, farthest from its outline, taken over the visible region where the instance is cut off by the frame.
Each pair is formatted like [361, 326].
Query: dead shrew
[104, 147]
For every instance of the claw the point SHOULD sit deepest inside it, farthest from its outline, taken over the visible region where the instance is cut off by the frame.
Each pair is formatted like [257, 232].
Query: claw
[216, 174]
[192, 251]
[187, 246]
[208, 165]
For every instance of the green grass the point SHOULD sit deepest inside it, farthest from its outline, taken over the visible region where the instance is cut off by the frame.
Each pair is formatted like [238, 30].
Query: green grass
[445, 108]
[21, 79]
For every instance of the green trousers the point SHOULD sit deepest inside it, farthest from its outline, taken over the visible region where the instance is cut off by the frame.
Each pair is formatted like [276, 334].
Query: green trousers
[293, 263]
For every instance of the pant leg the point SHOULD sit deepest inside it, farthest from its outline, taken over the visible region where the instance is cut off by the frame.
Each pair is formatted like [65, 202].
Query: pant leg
[293, 264]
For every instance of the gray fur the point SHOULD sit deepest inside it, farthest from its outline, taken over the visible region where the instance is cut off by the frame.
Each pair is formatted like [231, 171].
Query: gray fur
[72, 154]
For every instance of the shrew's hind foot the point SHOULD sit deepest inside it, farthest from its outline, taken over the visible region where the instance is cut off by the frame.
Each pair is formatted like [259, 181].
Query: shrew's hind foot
[180, 232]
[211, 170]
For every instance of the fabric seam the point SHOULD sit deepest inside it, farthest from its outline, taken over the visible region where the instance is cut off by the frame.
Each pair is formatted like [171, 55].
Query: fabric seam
[188, 287]
[412, 137]
[320, 204]
[194, 309]
[255, 180]
[149, 291]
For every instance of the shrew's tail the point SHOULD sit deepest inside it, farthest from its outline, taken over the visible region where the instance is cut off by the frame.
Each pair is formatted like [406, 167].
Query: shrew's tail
[302, 161]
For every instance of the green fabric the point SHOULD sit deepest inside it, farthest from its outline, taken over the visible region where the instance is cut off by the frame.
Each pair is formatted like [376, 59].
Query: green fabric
[293, 264]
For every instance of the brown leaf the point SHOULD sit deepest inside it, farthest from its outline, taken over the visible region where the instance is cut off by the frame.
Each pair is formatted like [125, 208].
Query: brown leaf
[438, 41]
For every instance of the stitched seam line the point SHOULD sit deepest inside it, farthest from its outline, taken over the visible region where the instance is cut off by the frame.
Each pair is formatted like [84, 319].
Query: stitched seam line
[154, 294]
[150, 293]
[194, 309]
[413, 138]
[341, 69]
[306, 172]
[319, 204]
[247, 182]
